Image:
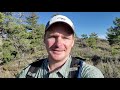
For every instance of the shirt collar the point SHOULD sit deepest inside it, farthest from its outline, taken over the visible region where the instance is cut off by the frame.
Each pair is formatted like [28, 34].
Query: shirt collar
[64, 70]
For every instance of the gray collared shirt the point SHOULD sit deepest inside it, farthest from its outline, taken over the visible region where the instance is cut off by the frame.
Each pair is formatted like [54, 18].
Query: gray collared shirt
[88, 71]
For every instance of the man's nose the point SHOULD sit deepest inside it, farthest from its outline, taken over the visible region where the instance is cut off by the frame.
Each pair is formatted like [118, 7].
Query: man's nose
[59, 41]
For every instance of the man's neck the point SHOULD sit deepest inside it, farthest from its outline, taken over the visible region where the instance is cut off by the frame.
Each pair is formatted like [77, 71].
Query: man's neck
[55, 65]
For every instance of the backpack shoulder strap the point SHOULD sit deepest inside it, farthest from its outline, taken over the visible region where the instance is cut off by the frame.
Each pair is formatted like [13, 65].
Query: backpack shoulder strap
[34, 68]
[76, 63]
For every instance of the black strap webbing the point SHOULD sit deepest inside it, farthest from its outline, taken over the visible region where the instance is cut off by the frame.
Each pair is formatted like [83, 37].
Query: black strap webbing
[34, 68]
[76, 63]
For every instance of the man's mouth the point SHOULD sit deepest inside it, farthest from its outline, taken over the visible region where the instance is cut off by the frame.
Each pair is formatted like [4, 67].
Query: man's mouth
[57, 51]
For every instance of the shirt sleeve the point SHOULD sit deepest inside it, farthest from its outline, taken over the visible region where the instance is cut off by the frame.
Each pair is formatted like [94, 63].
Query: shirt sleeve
[23, 72]
[89, 71]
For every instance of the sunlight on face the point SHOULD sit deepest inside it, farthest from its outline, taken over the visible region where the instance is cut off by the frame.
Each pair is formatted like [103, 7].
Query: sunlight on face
[59, 42]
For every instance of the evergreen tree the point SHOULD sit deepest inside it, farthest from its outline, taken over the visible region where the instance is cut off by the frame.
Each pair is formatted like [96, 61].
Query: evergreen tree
[92, 40]
[31, 20]
[113, 34]
[84, 36]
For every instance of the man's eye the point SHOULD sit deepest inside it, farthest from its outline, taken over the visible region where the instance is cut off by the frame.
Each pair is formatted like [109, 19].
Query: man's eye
[51, 37]
[65, 38]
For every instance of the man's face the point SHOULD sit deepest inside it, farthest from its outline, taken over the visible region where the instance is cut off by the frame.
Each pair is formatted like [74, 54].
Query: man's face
[59, 42]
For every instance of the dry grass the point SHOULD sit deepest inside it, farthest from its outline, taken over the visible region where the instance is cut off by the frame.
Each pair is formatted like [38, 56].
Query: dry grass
[11, 69]
[108, 64]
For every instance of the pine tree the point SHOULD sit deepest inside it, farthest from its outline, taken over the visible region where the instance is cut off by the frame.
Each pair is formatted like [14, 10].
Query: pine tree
[84, 36]
[92, 40]
[31, 20]
[113, 34]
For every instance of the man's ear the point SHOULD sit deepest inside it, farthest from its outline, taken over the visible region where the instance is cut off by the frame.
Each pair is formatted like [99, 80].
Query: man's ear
[73, 43]
[44, 38]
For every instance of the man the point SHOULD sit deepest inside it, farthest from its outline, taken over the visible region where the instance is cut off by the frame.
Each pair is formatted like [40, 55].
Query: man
[59, 40]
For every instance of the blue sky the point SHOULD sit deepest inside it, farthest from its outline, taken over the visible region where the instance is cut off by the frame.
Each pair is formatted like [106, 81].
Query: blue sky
[85, 22]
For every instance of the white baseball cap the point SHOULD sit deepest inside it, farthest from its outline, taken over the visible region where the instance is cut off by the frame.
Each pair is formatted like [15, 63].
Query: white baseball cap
[60, 18]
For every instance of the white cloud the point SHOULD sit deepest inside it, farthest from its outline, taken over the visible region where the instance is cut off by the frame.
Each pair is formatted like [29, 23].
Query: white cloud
[102, 36]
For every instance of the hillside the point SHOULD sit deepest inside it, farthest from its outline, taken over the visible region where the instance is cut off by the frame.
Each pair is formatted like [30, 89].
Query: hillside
[101, 57]
[21, 42]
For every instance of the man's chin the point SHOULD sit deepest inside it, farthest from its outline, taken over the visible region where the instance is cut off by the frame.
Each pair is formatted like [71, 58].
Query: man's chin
[57, 57]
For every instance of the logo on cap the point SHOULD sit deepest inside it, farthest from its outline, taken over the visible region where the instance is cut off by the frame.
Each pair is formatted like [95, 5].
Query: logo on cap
[61, 18]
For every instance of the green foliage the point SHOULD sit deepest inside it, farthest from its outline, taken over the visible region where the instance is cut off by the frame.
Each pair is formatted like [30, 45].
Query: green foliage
[93, 35]
[22, 34]
[6, 43]
[92, 40]
[113, 34]
[19, 42]
[21, 45]
[114, 51]
[38, 32]
[32, 21]
[2, 17]
[7, 50]
[84, 36]
[7, 56]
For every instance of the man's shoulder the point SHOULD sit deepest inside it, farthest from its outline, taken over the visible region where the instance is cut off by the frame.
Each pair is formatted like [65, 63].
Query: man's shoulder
[90, 71]
[36, 64]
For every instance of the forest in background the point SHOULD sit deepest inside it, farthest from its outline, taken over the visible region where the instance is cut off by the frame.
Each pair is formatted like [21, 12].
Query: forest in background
[21, 42]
